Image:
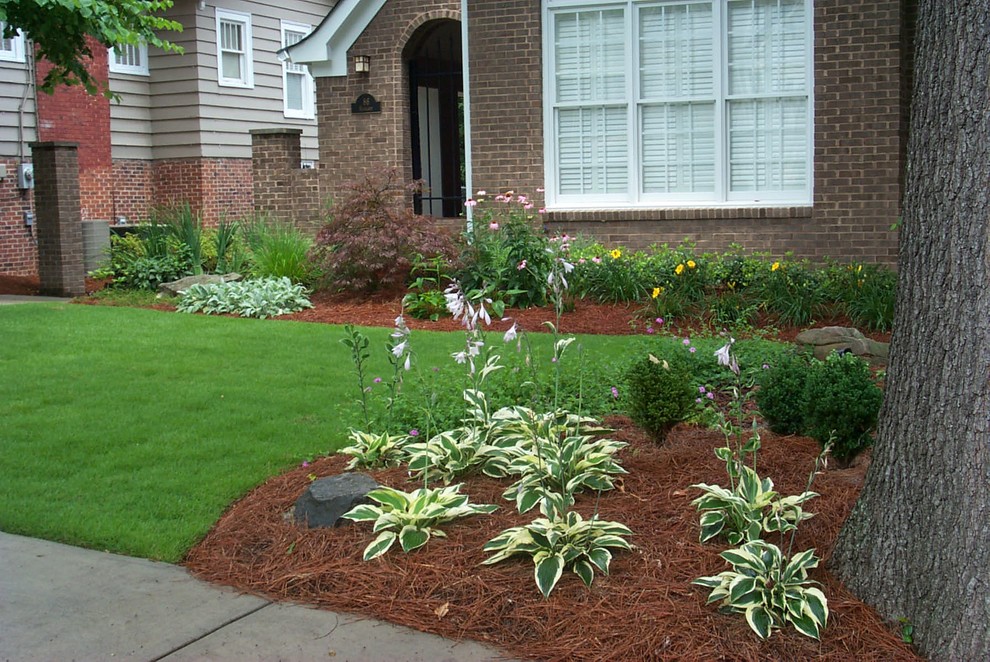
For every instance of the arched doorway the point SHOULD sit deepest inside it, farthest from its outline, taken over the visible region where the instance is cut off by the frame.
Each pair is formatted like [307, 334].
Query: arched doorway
[436, 104]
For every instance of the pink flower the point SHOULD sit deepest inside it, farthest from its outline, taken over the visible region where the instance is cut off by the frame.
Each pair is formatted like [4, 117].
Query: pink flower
[659, 320]
[542, 210]
[540, 189]
[470, 203]
[650, 329]
[414, 433]
[521, 199]
[521, 265]
[686, 341]
[377, 380]
[701, 389]
[698, 400]
[581, 261]
[493, 226]
[615, 393]
[710, 395]
[499, 198]
[596, 260]
[693, 350]
[305, 463]
[528, 205]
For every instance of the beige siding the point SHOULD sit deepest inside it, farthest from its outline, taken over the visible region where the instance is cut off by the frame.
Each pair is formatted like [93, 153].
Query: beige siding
[182, 111]
[13, 85]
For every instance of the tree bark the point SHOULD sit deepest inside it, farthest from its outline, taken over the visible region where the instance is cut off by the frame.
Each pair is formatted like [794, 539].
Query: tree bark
[917, 544]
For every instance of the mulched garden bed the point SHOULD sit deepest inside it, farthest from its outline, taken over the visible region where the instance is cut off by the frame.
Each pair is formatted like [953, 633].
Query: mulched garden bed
[645, 610]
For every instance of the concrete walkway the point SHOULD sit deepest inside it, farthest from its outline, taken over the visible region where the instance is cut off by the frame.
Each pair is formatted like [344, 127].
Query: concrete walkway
[6, 299]
[66, 603]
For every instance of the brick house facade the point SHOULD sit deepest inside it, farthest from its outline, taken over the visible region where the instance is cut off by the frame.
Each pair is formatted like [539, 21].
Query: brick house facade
[860, 55]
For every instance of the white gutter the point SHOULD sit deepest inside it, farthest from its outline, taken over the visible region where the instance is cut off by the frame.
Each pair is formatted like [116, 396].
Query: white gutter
[466, 72]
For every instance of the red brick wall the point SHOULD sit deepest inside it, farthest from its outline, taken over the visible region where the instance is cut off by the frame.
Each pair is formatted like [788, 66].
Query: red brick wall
[133, 194]
[18, 249]
[214, 188]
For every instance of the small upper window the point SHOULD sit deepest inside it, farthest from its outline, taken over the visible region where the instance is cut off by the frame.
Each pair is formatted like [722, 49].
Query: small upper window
[129, 59]
[297, 84]
[235, 66]
[11, 48]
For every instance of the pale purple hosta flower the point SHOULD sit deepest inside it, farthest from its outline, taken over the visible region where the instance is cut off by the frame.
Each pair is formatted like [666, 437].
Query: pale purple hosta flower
[399, 349]
[460, 357]
[511, 334]
[722, 354]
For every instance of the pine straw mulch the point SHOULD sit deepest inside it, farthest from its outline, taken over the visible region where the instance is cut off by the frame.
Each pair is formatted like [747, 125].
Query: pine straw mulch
[645, 610]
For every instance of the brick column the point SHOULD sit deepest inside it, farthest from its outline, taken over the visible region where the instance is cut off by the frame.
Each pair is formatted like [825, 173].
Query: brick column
[59, 219]
[281, 188]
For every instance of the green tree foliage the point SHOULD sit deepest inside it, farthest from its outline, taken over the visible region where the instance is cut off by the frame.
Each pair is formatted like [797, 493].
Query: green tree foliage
[59, 29]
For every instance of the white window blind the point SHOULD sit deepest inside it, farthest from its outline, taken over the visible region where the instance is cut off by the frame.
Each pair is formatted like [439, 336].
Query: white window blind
[678, 102]
[234, 56]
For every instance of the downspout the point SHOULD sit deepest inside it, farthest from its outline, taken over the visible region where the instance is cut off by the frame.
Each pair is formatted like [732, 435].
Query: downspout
[466, 73]
[28, 86]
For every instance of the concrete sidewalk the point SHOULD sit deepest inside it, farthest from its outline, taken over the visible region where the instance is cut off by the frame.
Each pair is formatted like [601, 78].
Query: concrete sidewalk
[67, 603]
[6, 299]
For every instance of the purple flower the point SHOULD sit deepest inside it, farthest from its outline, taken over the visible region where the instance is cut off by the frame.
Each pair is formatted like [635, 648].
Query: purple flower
[710, 395]
[686, 341]
[615, 393]
[766, 367]
[377, 380]
[693, 350]
[650, 329]
[521, 265]
[659, 321]
[305, 463]
[698, 400]
[414, 433]
[493, 226]
[701, 389]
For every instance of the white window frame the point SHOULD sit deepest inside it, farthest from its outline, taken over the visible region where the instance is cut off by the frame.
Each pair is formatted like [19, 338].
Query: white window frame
[635, 197]
[246, 54]
[308, 95]
[136, 70]
[16, 51]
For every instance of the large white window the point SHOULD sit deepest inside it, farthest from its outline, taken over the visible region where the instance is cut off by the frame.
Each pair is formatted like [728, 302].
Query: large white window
[11, 48]
[297, 84]
[678, 102]
[235, 62]
[129, 59]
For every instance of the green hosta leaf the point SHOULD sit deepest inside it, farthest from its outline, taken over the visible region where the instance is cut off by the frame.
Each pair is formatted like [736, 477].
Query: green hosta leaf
[742, 558]
[743, 592]
[379, 545]
[526, 499]
[799, 565]
[612, 541]
[805, 625]
[601, 557]
[816, 605]
[391, 498]
[548, 572]
[708, 582]
[712, 523]
[585, 571]
[760, 621]
[363, 513]
[413, 538]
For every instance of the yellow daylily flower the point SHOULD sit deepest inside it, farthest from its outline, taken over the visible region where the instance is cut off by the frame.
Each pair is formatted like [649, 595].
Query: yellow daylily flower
[679, 269]
[775, 266]
[657, 291]
[691, 264]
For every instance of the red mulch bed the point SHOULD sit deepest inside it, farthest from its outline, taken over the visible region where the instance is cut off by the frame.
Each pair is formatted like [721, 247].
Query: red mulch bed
[646, 609]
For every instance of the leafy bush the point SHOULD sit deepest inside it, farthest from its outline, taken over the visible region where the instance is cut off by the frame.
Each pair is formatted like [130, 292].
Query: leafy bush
[781, 395]
[793, 291]
[186, 228]
[506, 252]
[147, 273]
[566, 542]
[843, 403]
[871, 302]
[372, 236]
[266, 297]
[659, 394]
[279, 250]
[608, 276]
[411, 518]
[425, 299]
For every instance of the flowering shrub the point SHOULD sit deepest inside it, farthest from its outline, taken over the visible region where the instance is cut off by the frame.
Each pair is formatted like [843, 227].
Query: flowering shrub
[505, 252]
[372, 236]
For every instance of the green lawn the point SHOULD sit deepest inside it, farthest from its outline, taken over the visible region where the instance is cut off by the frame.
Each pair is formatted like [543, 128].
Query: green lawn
[132, 430]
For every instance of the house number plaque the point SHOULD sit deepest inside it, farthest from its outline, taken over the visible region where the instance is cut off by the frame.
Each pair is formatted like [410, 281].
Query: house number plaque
[366, 104]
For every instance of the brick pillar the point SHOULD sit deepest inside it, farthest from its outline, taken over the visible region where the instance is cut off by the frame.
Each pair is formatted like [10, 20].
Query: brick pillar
[282, 190]
[59, 219]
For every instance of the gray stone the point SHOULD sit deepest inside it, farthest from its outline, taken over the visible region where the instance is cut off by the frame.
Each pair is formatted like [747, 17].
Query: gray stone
[326, 499]
[823, 341]
[177, 287]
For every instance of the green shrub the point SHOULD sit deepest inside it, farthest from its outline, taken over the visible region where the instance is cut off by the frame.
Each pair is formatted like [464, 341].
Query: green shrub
[871, 303]
[609, 276]
[506, 252]
[793, 291]
[148, 272]
[781, 393]
[659, 393]
[842, 402]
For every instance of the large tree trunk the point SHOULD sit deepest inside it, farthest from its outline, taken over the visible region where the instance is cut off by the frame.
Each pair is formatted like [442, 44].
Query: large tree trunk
[917, 545]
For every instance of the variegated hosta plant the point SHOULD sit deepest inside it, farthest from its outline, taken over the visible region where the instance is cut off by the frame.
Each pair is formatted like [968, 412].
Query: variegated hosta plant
[523, 427]
[753, 507]
[451, 454]
[769, 589]
[552, 473]
[556, 544]
[375, 451]
[411, 518]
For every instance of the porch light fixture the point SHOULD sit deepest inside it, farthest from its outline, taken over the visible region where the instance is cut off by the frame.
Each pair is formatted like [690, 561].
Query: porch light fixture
[362, 64]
